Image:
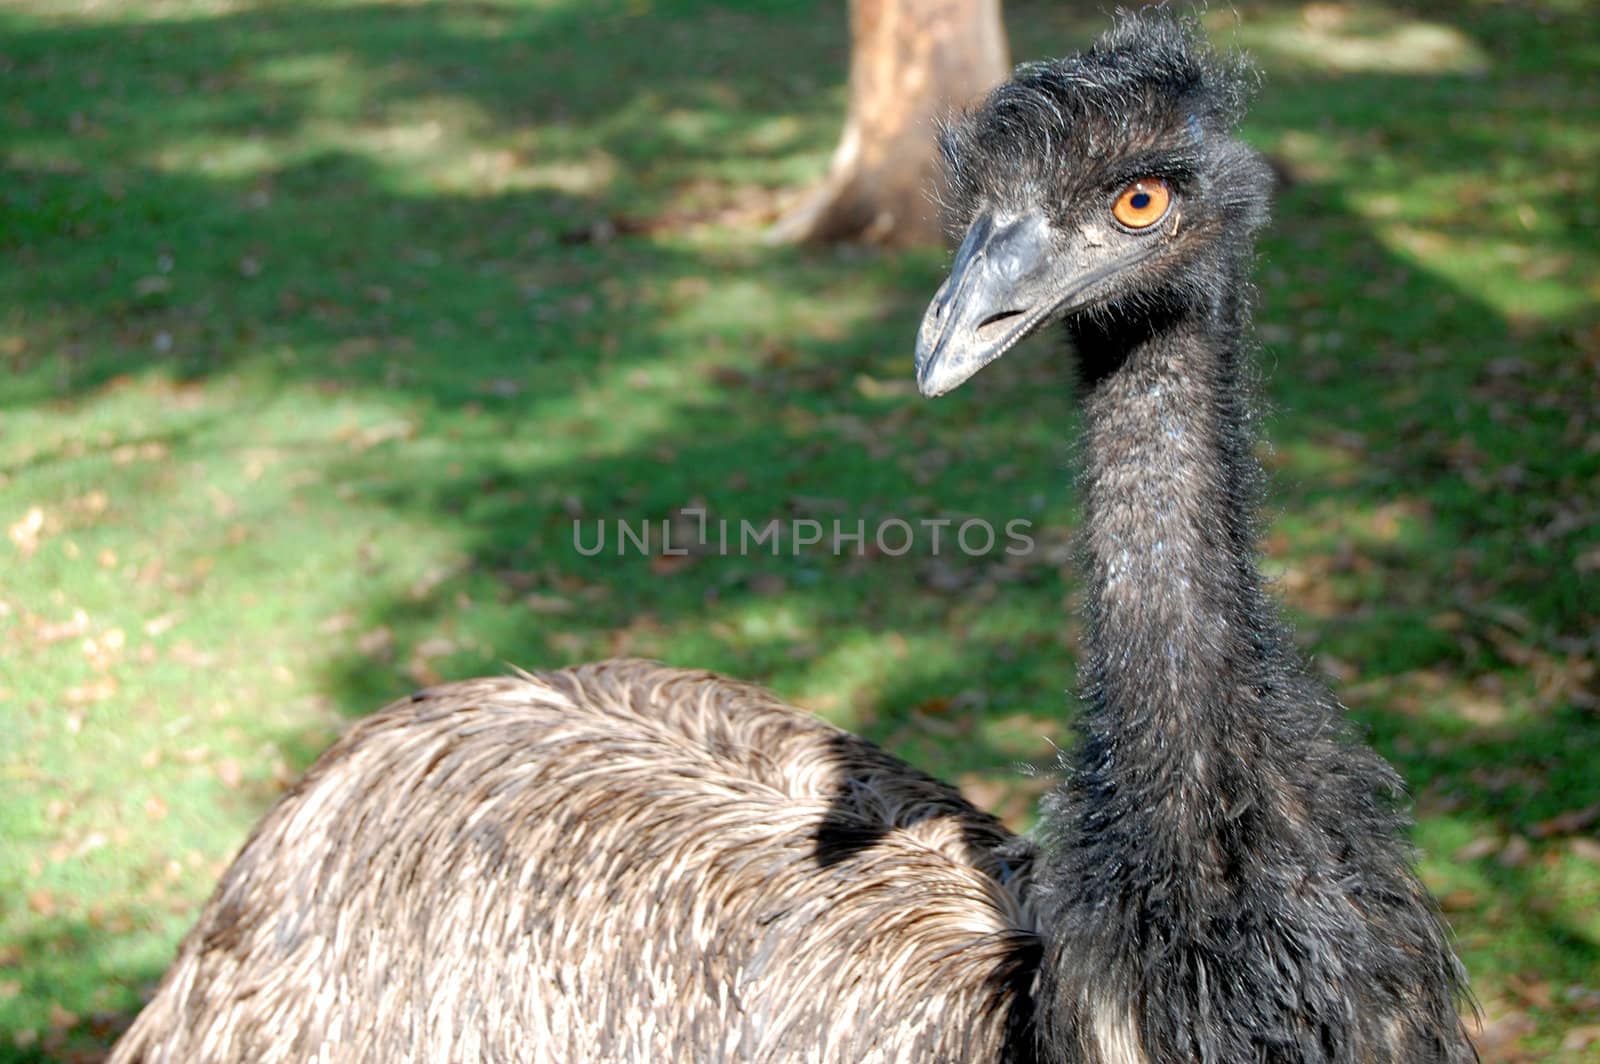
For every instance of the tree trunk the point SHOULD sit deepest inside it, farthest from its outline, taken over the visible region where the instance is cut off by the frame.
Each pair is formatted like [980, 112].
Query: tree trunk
[911, 62]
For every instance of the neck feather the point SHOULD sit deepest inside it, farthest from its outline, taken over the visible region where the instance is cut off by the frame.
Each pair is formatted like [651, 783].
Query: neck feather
[1226, 869]
[1180, 637]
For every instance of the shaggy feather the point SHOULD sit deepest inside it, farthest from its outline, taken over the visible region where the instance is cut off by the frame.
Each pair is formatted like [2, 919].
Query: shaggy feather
[623, 862]
[1225, 868]
[618, 862]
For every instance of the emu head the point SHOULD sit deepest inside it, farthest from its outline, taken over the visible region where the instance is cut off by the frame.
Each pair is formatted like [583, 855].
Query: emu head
[1106, 184]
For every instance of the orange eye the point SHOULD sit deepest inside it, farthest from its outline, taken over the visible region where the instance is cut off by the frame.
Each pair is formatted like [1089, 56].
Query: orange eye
[1143, 203]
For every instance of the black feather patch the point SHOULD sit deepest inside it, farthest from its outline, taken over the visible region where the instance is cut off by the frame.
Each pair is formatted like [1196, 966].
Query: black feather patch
[1226, 873]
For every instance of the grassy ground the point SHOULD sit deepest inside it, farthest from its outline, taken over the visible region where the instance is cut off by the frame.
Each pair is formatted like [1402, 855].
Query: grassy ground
[322, 321]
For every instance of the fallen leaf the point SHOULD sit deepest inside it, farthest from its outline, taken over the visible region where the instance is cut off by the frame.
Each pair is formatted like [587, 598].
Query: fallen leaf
[1478, 848]
[1568, 823]
[186, 653]
[667, 564]
[435, 647]
[768, 584]
[981, 791]
[24, 532]
[104, 650]
[430, 580]
[1516, 852]
[873, 388]
[942, 727]
[538, 603]
[1534, 991]
[1586, 849]
[368, 438]
[1495, 1035]
[1340, 670]
[501, 387]
[1461, 901]
[229, 773]
[1577, 1039]
[377, 644]
[48, 633]
[94, 691]
[420, 667]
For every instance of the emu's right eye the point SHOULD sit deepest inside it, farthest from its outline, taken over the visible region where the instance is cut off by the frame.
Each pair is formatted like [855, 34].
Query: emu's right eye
[1143, 203]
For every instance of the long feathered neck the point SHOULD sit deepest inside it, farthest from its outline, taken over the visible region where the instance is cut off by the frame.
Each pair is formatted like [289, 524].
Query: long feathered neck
[1226, 874]
[1181, 641]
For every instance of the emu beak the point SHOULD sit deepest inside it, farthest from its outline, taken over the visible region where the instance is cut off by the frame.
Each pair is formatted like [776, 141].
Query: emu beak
[1011, 274]
[994, 296]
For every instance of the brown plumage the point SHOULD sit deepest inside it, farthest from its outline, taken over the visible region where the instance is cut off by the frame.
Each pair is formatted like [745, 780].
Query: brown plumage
[627, 863]
[618, 862]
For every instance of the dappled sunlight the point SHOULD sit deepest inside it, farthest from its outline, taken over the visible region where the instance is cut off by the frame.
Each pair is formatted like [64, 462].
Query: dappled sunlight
[1326, 460]
[1467, 229]
[1400, 522]
[424, 131]
[1454, 706]
[218, 158]
[752, 306]
[326, 83]
[1477, 266]
[848, 680]
[101, 12]
[780, 133]
[1476, 861]
[776, 621]
[1354, 38]
[421, 145]
[1026, 737]
[328, 320]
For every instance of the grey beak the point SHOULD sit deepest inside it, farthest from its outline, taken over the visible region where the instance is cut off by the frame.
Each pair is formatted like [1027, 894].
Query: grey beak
[1011, 274]
[985, 306]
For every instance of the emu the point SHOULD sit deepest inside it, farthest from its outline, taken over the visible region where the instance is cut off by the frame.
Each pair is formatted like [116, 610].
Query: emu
[625, 862]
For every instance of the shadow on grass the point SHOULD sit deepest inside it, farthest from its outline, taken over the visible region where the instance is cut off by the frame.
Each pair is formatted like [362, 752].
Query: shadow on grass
[83, 1037]
[200, 217]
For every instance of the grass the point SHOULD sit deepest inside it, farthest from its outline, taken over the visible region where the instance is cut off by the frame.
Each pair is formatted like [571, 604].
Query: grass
[324, 321]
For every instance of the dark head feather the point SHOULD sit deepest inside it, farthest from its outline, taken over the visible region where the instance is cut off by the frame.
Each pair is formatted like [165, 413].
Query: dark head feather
[1150, 97]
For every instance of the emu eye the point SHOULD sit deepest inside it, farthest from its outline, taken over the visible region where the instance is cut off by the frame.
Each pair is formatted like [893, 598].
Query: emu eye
[1143, 203]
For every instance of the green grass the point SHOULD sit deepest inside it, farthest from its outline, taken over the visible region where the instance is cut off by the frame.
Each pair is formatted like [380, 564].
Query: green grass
[310, 360]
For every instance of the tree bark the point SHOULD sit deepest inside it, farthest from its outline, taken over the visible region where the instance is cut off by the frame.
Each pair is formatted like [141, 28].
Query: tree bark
[911, 62]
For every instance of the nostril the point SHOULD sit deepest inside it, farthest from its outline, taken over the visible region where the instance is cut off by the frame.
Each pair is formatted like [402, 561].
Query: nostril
[996, 320]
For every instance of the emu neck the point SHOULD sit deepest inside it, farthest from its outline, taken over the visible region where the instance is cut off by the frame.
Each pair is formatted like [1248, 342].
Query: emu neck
[1179, 633]
[1225, 875]
[1192, 792]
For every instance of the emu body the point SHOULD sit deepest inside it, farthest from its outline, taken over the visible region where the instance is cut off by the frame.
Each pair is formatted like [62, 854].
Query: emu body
[626, 863]
[619, 862]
